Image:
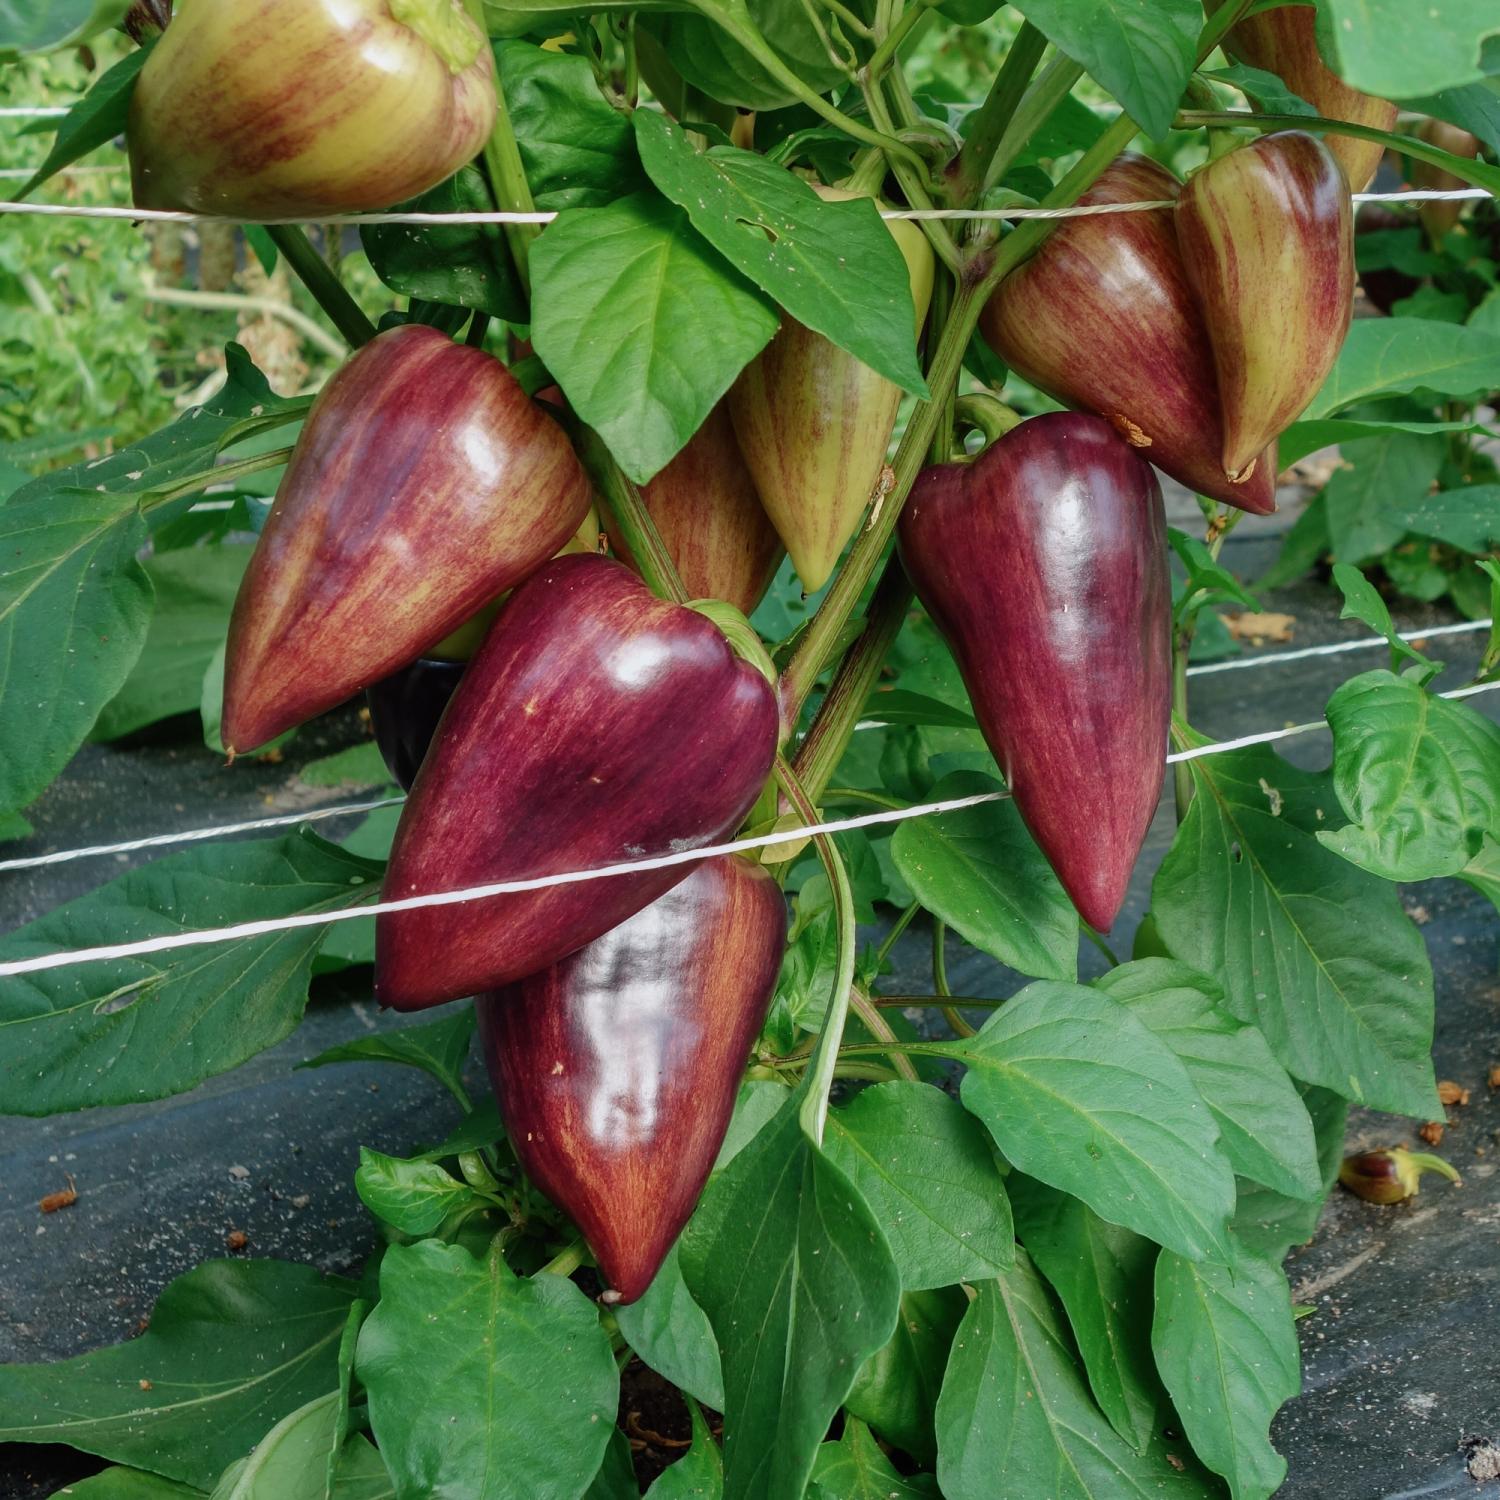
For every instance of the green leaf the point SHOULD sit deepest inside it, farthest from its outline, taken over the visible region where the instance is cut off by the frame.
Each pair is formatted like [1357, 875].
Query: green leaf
[467, 265]
[412, 1196]
[809, 967]
[980, 871]
[1418, 777]
[1302, 438]
[1387, 474]
[1226, 1346]
[800, 1286]
[74, 607]
[1142, 54]
[439, 1047]
[1078, 1093]
[672, 1334]
[194, 591]
[643, 325]
[1267, 1223]
[231, 1346]
[1102, 1275]
[517, 1384]
[359, 765]
[1483, 871]
[897, 1388]
[854, 1468]
[616, 1477]
[243, 408]
[702, 50]
[131, 1029]
[1263, 1127]
[1391, 356]
[477, 1130]
[1206, 573]
[1475, 107]
[1268, 92]
[1444, 52]
[1363, 603]
[362, 1474]
[1317, 954]
[128, 1484]
[291, 1461]
[1467, 518]
[1014, 1403]
[928, 1174]
[94, 120]
[699, 1473]
[577, 149]
[46, 25]
[898, 706]
[834, 267]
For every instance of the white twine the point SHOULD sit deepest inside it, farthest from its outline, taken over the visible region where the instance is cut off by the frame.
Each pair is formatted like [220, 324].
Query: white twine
[31, 112]
[243, 930]
[1077, 211]
[348, 809]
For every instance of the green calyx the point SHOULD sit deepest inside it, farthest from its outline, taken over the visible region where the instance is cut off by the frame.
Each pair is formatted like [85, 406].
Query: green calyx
[445, 26]
[740, 634]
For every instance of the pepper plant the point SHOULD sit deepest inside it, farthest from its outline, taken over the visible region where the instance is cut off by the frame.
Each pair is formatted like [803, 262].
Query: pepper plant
[880, 1249]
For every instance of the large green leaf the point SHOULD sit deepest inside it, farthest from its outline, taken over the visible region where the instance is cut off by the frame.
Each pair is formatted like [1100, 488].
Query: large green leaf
[74, 607]
[1443, 52]
[1226, 1346]
[1391, 356]
[46, 25]
[672, 1334]
[232, 1347]
[1468, 518]
[799, 1283]
[1014, 1404]
[643, 325]
[1102, 1275]
[131, 1029]
[1418, 776]
[517, 1387]
[980, 871]
[577, 148]
[897, 1388]
[923, 1165]
[291, 1461]
[194, 591]
[1387, 475]
[1263, 1126]
[1302, 438]
[1317, 954]
[833, 266]
[1142, 54]
[1078, 1093]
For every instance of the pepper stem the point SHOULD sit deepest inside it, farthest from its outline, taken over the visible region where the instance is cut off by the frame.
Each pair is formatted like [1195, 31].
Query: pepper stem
[445, 27]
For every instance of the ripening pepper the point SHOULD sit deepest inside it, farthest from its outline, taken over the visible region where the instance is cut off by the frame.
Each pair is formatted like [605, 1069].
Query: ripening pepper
[616, 1069]
[1044, 564]
[1391, 1176]
[266, 109]
[711, 520]
[1267, 237]
[814, 424]
[424, 483]
[1102, 317]
[1284, 41]
[596, 725]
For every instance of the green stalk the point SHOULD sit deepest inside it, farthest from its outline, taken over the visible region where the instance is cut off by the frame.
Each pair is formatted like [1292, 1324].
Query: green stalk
[1055, 84]
[940, 980]
[883, 55]
[219, 474]
[1476, 173]
[814, 1112]
[879, 1028]
[934, 1002]
[913, 183]
[990, 121]
[328, 291]
[894, 935]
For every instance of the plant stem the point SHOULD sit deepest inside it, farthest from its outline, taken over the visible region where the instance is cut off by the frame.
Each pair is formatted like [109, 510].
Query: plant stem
[1054, 85]
[814, 1113]
[823, 745]
[988, 124]
[623, 501]
[478, 326]
[566, 1261]
[328, 291]
[894, 935]
[219, 474]
[879, 1028]
[1097, 939]
[940, 978]
[939, 1002]
[859, 794]
[914, 182]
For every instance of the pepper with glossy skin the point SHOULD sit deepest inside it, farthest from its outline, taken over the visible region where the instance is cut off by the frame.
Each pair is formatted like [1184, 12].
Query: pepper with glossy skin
[1103, 317]
[266, 109]
[814, 424]
[711, 520]
[1044, 564]
[616, 1069]
[404, 712]
[1267, 237]
[596, 725]
[424, 483]
[1284, 41]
